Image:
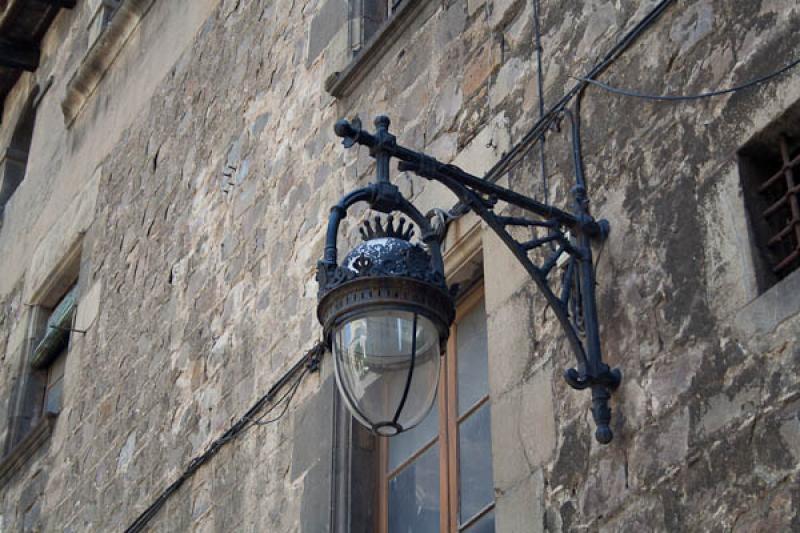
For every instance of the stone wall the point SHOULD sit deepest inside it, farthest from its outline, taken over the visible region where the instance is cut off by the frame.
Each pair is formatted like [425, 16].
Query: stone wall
[199, 253]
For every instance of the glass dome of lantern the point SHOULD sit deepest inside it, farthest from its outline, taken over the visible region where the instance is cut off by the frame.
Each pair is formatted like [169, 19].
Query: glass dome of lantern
[386, 313]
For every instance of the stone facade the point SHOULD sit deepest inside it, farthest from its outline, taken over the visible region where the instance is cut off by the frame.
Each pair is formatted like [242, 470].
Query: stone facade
[196, 180]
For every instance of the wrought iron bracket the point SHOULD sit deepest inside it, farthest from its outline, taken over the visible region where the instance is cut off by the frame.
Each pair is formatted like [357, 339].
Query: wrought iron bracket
[71, 330]
[569, 235]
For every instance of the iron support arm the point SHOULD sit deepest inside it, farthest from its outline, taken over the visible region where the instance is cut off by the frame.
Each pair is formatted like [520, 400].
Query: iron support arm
[430, 168]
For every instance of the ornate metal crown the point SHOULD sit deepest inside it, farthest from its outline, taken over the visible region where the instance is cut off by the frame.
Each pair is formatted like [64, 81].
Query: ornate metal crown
[400, 232]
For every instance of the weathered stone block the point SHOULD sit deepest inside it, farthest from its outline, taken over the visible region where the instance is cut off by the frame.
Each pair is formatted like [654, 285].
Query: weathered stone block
[480, 67]
[505, 436]
[523, 426]
[503, 11]
[659, 450]
[504, 274]
[766, 312]
[511, 77]
[606, 488]
[520, 509]
[474, 5]
[328, 21]
[512, 342]
[88, 307]
[725, 408]
[313, 430]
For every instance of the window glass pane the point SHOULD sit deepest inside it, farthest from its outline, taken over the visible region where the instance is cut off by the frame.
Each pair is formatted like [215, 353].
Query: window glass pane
[476, 487]
[372, 360]
[403, 446]
[471, 350]
[484, 525]
[414, 495]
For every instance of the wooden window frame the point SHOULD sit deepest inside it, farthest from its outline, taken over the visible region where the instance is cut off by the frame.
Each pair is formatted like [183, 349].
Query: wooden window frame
[447, 404]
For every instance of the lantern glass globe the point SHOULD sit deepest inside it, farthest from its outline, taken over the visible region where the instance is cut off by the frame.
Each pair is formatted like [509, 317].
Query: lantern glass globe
[387, 368]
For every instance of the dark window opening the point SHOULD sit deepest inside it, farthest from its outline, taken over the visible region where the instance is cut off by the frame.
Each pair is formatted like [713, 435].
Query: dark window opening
[42, 385]
[15, 159]
[369, 16]
[770, 171]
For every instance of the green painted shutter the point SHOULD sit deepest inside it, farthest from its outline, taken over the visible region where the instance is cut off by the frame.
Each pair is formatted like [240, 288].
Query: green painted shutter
[57, 331]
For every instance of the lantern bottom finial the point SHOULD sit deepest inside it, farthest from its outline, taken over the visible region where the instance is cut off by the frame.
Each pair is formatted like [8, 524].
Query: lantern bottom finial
[387, 429]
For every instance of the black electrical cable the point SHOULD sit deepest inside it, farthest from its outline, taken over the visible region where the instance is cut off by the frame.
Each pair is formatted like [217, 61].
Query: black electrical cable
[308, 363]
[540, 87]
[680, 97]
[539, 129]
[286, 400]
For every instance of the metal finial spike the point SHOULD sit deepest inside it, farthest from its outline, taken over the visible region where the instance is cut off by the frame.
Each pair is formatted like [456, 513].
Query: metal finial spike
[378, 227]
[367, 230]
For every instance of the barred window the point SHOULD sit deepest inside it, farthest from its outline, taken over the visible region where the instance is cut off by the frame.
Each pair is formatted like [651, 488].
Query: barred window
[770, 172]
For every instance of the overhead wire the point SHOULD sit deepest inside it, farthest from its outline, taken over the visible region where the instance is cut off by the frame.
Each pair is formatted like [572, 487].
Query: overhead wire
[540, 87]
[685, 97]
[286, 400]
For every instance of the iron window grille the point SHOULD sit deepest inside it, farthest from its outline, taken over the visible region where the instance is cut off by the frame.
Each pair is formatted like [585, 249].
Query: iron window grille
[771, 180]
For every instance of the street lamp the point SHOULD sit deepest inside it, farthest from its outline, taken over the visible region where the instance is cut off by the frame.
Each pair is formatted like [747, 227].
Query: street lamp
[386, 310]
